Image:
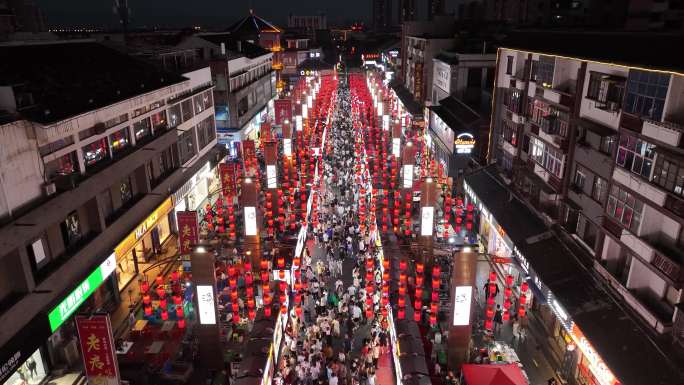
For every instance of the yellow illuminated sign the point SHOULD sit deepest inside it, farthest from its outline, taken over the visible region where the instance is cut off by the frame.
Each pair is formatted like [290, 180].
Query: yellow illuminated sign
[142, 229]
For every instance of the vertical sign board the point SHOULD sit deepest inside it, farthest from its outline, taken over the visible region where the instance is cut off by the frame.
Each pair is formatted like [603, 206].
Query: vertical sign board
[71, 303]
[418, 81]
[206, 305]
[396, 147]
[250, 220]
[427, 214]
[408, 176]
[283, 110]
[227, 173]
[271, 176]
[97, 347]
[463, 297]
[187, 230]
[287, 147]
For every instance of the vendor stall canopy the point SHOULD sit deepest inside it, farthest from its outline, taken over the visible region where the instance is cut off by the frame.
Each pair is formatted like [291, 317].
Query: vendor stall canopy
[509, 374]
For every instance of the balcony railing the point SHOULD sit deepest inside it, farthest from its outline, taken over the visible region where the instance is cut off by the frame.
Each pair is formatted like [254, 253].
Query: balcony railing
[631, 122]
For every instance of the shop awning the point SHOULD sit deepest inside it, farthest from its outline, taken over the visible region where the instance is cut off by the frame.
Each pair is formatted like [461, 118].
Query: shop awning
[509, 374]
[413, 364]
[612, 332]
[410, 345]
[412, 106]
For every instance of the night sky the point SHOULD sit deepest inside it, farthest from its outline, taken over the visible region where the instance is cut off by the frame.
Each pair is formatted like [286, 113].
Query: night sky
[213, 13]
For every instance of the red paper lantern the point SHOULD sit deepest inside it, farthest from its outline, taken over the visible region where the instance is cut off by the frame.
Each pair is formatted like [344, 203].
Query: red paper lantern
[506, 315]
[416, 315]
[435, 296]
[401, 313]
[177, 300]
[165, 315]
[490, 301]
[417, 304]
[524, 287]
[521, 311]
[179, 312]
[433, 319]
[144, 286]
[146, 299]
[492, 277]
[489, 324]
[490, 312]
[181, 324]
[523, 299]
[402, 265]
[159, 280]
[435, 271]
[419, 268]
[435, 284]
[419, 281]
[401, 301]
[267, 311]
[283, 309]
[162, 303]
[507, 292]
[251, 314]
[148, 310]
[507, 304]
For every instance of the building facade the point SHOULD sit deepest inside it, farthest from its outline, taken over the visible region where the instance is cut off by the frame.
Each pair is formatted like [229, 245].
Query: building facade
[419, 63]
[382, 15]
[596, 148]
[307, 22]
[87, 188]
[244, 78]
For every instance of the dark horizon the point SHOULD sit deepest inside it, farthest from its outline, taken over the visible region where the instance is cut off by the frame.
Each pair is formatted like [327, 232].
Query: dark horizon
[207, 13]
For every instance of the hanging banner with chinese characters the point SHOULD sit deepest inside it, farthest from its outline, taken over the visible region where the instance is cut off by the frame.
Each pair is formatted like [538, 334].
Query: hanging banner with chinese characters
[249, 155]
[97, 347]
[283, 110]
[227, 173]
[265, 133]
[187, 230]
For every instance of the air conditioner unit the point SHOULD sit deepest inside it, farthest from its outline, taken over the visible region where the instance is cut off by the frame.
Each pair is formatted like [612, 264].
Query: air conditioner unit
[49, 189]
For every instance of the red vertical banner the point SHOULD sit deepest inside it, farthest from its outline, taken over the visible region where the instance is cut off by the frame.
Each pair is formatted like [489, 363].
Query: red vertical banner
[187, 230]
[265, 133]
[248, 150]
[283, 110]
[97, 346]
[227, 173]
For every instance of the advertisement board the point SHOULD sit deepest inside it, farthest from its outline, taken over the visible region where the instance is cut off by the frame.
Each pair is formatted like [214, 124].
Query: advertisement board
[283, 110]
[287, 147]
[187, 230]
[396, 147]
[68, 305]
[463, 297]
[206, 305]
[408, 176]
[227, 173]
[250, 220]
[427, 214]
[271, 176]
[97, 347]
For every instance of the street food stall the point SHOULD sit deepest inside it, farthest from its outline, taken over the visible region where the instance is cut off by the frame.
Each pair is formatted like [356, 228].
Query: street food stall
[505, 374]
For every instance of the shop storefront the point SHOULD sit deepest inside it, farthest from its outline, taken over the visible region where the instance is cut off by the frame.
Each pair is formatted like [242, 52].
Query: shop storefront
[23, 359]
[580, 361]
[139, 249]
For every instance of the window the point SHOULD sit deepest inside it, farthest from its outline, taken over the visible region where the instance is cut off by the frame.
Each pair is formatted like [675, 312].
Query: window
[71, 229]
[120, 140]
[509, 65]
[646, 92]
[95, 152]
[174, 115]
[186, 107]
[186, 145]
[158, 121]
[243, 106]
[199, 104]
[553, 161]
[510, 133]
[606, 91]
[142, 129]
[537, 150]
[207, 99]
[669, 175]
[64, 165]
[114, 121]
[37, 252]
[125, 190]
[624, 207]
[543, 70]
[635, 155]
[206, 132]
[578, 180]
[607, 144]
[526, 144]
[513, 100]
[599, 189]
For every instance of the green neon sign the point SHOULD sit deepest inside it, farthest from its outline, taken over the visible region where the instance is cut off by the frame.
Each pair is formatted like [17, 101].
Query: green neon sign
[68, 306]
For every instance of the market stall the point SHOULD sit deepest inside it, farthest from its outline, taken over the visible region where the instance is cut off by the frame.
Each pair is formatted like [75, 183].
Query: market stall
[507, 374]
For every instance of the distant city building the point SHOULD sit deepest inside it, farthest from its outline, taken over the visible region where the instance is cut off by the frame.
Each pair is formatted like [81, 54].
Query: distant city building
[307, 22]
[407, 10]
[435, 7]
[382, 15]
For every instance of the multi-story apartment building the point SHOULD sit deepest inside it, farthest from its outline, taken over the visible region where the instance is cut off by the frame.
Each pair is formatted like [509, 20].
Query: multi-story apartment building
[308, 22]
[381, 15]
[421, 49]
[298, 49]
[93, 142]
[591, 138]
[244, 78]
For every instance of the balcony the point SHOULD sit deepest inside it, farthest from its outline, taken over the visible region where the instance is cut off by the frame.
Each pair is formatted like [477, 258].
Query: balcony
[666, 132]
[631, 122]
[558, 97]
[640, 186]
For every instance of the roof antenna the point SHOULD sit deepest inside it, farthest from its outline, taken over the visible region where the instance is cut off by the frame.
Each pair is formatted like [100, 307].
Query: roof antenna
[251, 7]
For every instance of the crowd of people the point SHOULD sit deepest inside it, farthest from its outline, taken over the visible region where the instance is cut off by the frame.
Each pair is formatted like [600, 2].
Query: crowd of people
[340, 335]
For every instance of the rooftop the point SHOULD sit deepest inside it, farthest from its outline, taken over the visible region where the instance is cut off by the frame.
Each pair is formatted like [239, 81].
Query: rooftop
[65, 79]
[252, 25]
[411, 105]
[249, 50]
[647, 50]
[615, 335]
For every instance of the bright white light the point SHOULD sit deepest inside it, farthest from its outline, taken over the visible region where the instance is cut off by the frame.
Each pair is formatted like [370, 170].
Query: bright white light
[201, 249]
[248, 180]
[452, 240]
[467, 249]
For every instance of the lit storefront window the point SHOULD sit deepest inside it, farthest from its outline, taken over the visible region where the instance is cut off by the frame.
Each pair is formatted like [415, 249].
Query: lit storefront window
[31, 372]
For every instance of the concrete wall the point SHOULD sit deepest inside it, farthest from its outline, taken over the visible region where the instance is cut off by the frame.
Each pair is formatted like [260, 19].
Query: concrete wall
[674, 104]
[21, 169]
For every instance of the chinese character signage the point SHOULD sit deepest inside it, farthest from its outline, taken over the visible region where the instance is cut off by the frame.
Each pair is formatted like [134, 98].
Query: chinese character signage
[97, 347]
[187, 230]
[249, 150]
[227, 173]
[265, 133]
[68, 306]
[283, 110]
[418, 81]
